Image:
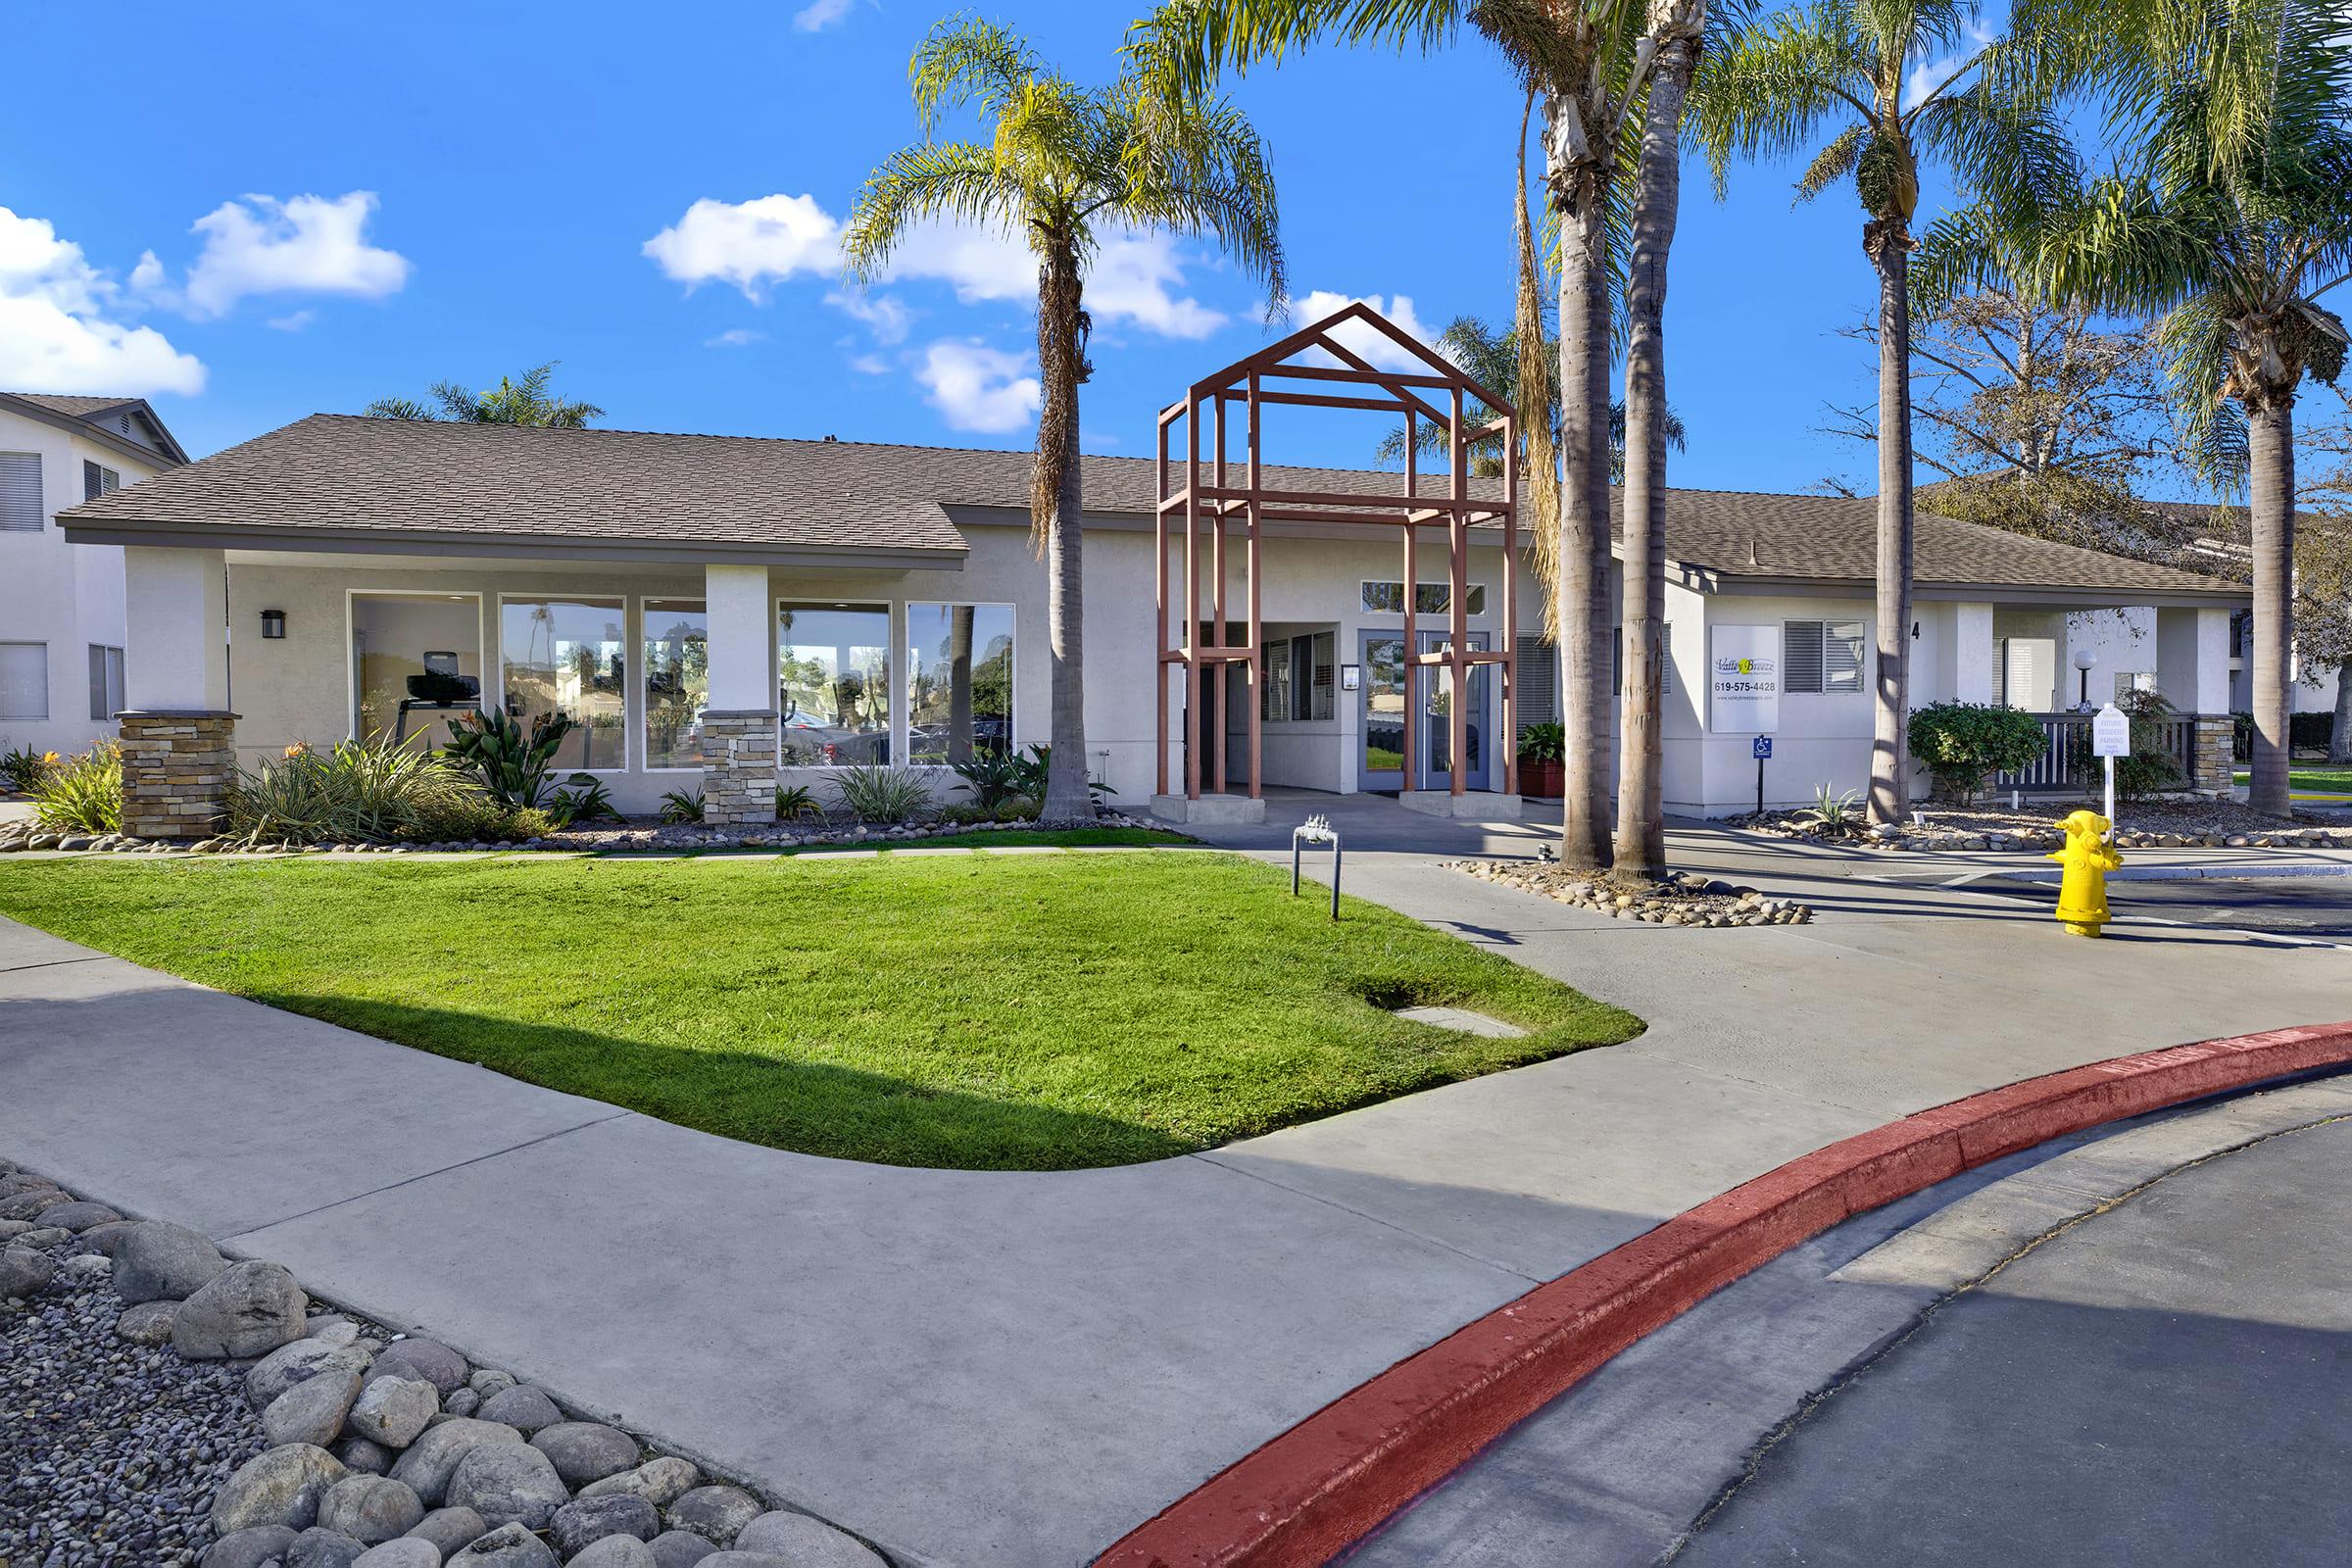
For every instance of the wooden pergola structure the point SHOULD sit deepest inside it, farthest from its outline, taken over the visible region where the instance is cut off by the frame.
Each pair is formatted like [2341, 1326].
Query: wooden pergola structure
[1207, 502]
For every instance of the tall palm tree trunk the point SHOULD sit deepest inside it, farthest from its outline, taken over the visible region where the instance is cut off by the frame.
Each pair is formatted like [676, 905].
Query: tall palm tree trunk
[1057, 505]
[2271, 455]
[2339, 734]
[1888, 242]
[1641, 755]
[1584, 600]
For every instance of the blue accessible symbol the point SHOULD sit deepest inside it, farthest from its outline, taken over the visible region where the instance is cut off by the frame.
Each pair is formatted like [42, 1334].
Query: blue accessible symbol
[1763, 748]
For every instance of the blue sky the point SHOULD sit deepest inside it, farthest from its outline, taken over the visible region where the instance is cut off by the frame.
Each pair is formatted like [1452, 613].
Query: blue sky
[254, 212]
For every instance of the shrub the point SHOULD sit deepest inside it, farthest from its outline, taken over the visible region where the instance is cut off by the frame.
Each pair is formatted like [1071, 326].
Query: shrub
[995, 777]
[361, 790]
[884, 795]
[82, 794]
[584, 799]
[1031, 767]
[1544, 742]
[1964, 744]
[795, 801]
[518, 769]
[22, 767]
[474, 817]
[682, 806]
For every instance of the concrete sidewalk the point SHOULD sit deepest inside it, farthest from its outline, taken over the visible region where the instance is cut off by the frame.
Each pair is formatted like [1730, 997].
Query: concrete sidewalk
[1014, 1369]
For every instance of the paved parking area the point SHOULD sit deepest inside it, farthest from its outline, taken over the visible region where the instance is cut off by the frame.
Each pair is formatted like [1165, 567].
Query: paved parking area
[2316, 907]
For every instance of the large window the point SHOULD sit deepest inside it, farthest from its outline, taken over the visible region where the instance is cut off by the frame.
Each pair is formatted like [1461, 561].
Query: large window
[21, 491]
[833, 671]
[959, 681]
[24, 680]
[106, 682]
[1821, 655]
[1429, 598]
[417, 664]
[569, 656]
[1299, 676]
[677, 681]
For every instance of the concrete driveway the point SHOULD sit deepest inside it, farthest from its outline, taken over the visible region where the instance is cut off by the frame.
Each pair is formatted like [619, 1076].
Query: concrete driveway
[1009, 1368]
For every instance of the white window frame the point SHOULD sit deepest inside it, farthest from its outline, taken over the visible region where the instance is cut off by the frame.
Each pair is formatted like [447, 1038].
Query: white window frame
[903, 718]
[1824, 626]
[636, 692]
[893, 611]
[629, 638]
[46, 675]
[1477, 596]
[40, 509]
[351, 632]
[110, 481]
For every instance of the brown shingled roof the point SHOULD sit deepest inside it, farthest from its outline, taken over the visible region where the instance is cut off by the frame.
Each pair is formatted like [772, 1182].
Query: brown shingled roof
[352, 477]
[72, 405]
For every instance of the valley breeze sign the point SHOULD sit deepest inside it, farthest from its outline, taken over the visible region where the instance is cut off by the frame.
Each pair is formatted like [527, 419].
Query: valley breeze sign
[1743, 680]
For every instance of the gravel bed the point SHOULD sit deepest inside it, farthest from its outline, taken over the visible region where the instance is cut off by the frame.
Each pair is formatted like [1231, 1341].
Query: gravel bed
[2034, 825]
[1680, 898]
[110, 1452]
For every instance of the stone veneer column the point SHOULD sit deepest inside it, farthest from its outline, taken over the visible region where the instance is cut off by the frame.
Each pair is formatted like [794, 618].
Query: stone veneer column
[2216, 765]
[739, 766]
[176, 769]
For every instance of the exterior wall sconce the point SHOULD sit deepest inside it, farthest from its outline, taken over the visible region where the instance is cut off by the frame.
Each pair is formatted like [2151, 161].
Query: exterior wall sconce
[273, 623]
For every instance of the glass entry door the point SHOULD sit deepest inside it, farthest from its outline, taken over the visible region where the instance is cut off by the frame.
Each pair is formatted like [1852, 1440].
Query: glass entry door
[1381, 762]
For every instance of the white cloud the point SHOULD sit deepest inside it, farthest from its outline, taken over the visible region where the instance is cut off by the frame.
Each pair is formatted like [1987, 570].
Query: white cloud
[819, 15]
[883, 314]
[148, 276]
[1359, 337]
[1926, 75]
[293, 322]
[870, 365]
[304, 245]
[749, 244]
[977, 387]
[735, 337]
[1133, 277]
[56, 334]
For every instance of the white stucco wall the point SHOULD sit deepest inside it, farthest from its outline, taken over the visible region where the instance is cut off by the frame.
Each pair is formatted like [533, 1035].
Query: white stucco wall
[63, 596]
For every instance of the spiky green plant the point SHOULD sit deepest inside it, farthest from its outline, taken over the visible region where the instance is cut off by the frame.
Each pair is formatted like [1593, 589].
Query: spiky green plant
[82, 794]
[517, 768]
[883, 795]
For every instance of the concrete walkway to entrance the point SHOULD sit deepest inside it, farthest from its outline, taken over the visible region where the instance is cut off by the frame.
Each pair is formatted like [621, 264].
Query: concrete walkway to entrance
[1015, 1369]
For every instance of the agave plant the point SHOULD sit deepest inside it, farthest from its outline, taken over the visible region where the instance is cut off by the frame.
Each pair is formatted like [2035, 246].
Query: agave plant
[682, 806]
[584, 799]
[995, 777]
[518, 769]
[796, 803]
[1835, 811]
[368, 788]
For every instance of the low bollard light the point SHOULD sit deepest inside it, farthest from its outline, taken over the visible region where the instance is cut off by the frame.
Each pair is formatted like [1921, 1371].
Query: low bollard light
[1316, 830]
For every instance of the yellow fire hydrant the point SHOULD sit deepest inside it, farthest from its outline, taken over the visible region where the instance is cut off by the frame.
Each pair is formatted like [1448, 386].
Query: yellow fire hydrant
[2088, 858]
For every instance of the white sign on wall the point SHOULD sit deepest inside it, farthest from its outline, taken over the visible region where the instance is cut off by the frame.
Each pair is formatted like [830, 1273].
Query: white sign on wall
[1743, 680]
[2110, 733]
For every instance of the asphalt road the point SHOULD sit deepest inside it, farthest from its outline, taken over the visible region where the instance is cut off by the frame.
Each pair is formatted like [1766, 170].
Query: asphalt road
[2317, 906]
[2160, 1383]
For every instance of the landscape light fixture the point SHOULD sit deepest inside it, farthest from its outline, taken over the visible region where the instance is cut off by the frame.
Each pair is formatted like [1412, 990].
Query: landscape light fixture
[2084, 658]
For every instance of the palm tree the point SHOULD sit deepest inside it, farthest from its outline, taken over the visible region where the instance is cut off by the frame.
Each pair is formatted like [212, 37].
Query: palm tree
[1059, 164]
[2231, 214]
[524, 402]
[1845, 67]
[1588, 64]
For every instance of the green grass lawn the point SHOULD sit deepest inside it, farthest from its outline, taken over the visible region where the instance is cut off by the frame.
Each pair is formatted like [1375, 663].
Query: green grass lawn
[975, 1011]
[2318, 778]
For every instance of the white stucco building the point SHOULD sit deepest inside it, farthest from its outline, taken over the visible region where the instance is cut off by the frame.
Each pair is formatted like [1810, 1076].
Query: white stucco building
[61, 635]
[710, 605]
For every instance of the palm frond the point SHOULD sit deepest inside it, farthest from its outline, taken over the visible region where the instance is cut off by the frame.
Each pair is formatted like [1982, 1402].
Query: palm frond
[1185, 46]
[934, 179]
[967, 59]
[1771, 92]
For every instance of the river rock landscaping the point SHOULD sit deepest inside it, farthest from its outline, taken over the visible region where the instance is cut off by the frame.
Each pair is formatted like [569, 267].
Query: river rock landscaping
[169, 1407]
[1680, 898]
[2033, 826]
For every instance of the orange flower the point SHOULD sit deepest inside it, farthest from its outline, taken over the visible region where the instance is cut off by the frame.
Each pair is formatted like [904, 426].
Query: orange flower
[297, 749]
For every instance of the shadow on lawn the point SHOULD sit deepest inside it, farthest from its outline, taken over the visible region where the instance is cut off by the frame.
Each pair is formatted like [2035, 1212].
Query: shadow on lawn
[811, 1107]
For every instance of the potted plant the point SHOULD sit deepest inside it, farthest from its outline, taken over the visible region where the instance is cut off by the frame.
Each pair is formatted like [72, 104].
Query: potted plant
[1543, 759]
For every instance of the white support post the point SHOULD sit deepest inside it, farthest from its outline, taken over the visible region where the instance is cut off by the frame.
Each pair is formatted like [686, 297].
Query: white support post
[740, 738]
[175, 612]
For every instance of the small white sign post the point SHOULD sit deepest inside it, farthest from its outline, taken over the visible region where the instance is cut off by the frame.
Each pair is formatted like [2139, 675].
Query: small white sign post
[2110, 738]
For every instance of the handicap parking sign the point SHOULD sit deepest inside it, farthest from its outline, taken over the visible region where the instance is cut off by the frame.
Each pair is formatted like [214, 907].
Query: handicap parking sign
[1763, 747]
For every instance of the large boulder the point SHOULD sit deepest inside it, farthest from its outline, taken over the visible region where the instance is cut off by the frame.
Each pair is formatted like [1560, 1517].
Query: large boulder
[393, 1411]
[444, 1368]
[406, 1552]
[23, 1271]
[617, 1552]
[806, 1542]
[281, 1486]
[427, 1464]
[586, 1450]
[591, 1519]
[680, 1548]
[507, 1547]
[449, 1529]
[322, 1548]
[148, 1323]
[660, 1482]
[365, 1458]
[747, 1559]
[508, 1482]
[158, 1261]
[258, 1546]
[714, 1513]
[251, 1309]
[30, 1201]
[274, 1374]
[370, 1508]
[77, 1215]
[311, 1411]
[522, 1407]
[103, 1239]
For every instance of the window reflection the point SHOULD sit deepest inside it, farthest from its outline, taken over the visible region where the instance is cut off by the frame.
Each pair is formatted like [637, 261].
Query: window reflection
[677, 681]
[960, 690]
[833, 668]
[568, 656]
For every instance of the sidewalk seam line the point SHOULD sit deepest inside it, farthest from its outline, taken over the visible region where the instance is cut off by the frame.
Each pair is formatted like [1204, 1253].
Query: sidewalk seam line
[51, 963]
[407, 1181]
[1207, 1158]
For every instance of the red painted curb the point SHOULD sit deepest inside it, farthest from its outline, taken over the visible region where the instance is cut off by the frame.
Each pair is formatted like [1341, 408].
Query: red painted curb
[1326, 1482]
